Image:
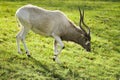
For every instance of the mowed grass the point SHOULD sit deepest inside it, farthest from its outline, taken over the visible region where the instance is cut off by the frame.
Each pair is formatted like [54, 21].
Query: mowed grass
[103, 63]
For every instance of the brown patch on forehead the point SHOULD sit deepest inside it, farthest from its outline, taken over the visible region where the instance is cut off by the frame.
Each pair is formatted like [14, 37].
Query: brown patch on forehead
[88, 37]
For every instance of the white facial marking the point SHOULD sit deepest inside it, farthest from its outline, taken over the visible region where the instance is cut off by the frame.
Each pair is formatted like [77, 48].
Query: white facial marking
[87, 42]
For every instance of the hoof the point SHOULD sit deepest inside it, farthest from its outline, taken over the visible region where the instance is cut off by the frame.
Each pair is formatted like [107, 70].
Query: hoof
[53, 59]
[63, 47]
[19, 52]
[56, 60]
[29, 55]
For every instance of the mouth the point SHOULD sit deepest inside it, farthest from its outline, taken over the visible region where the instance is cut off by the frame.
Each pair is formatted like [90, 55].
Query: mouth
[88, 50]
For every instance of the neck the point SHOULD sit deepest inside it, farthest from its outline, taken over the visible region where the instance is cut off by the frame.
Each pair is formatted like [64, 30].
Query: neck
[72, 34]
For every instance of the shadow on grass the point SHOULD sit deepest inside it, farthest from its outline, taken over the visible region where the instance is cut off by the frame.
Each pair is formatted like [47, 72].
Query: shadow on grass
[57, 72]
[45, 70]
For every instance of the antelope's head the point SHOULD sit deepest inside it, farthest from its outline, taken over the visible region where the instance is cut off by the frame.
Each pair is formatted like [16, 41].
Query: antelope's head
[85, 40]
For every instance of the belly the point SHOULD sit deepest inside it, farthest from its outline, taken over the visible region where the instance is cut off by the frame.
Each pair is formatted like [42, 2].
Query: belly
[41, 31]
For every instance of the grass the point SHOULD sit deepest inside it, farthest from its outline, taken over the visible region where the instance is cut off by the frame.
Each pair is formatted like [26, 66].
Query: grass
[103, 63]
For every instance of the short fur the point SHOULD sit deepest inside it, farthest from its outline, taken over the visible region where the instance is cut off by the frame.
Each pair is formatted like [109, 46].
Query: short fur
[47, 23]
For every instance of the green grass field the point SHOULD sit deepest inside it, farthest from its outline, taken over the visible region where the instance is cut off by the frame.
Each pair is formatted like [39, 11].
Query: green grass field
[103, 63]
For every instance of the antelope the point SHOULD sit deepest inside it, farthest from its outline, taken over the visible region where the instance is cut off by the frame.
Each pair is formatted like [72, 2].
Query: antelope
[54, 24]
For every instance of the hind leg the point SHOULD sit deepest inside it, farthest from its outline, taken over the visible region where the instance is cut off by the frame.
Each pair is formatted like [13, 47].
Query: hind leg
[18, 38]
[25, 31]
[21, 37]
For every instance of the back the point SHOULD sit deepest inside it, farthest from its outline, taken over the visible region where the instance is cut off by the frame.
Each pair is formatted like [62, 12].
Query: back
[43, 21]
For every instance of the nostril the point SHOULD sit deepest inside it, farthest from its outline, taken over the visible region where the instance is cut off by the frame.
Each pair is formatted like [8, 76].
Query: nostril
[89, 50]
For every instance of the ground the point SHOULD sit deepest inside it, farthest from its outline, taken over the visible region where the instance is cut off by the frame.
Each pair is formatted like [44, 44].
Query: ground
[103, 63]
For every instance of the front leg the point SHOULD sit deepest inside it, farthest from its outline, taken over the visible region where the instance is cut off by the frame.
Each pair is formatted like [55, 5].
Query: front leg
[57, 52]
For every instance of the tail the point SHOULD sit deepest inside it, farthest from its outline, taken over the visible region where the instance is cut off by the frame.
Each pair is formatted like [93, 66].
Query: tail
[17, 21]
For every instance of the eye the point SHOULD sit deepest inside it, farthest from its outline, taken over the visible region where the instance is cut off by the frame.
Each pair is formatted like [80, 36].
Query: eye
[86, 39]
